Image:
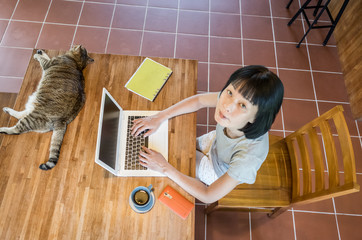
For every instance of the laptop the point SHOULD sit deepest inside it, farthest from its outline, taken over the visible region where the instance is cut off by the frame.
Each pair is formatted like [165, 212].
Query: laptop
[117, 149]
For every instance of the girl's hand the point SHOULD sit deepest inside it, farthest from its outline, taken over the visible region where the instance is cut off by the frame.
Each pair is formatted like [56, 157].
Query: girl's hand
[153, 160]
[151, 123]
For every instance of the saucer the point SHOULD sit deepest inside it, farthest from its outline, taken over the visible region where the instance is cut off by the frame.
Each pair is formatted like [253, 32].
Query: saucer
[137, 210]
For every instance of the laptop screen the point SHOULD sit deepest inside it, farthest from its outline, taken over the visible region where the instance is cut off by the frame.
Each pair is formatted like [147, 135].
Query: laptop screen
[110, 124]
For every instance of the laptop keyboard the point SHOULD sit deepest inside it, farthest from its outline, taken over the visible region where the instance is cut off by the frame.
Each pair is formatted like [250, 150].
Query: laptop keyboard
[133, 146]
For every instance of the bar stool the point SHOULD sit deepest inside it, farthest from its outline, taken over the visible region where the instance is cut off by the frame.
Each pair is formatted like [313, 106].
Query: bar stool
[324, 7]
[315, 10]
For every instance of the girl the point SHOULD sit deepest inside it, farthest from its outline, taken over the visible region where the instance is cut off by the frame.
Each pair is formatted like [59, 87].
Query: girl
[232, 154]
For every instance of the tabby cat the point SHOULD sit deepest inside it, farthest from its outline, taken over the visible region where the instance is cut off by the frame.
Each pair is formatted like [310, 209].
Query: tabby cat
[57, 100]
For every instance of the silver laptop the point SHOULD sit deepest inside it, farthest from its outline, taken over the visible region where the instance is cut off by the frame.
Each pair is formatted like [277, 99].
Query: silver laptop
[117, 150]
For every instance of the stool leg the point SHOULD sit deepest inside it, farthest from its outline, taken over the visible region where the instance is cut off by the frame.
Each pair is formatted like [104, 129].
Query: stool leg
[299, 12]
[334, 24]
[301, 40]
[317, 8]
[314, 22]
[290, 2]
[328, 35]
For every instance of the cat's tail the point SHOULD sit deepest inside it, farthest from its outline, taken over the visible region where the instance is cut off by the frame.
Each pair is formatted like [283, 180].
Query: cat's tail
[55, 145]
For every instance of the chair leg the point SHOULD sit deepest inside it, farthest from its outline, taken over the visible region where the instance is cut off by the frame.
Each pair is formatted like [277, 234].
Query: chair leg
[277, 211]
[290, 2]
[211, 208]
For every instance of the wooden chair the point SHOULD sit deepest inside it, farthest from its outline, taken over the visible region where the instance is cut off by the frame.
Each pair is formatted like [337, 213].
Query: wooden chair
[298, 170]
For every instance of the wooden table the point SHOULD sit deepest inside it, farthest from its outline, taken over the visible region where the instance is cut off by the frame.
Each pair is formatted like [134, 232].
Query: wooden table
[79, 199]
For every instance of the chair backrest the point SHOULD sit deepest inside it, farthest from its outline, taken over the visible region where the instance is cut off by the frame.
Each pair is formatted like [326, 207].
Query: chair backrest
[314, 151]
[301, 168]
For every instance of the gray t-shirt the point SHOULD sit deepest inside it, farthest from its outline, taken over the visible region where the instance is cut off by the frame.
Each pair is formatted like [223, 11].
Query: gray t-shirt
[241, 158]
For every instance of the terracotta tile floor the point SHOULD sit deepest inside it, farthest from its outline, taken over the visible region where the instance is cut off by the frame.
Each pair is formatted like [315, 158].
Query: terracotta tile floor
[223, 36]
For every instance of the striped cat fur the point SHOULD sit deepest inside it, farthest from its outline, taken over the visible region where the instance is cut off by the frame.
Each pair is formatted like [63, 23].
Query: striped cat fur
[58, 99]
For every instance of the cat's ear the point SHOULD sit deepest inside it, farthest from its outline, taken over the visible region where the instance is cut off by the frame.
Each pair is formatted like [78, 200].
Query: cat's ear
[77, 48]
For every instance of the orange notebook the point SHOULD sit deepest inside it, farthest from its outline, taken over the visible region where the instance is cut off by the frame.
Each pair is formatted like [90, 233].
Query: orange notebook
[178, 203]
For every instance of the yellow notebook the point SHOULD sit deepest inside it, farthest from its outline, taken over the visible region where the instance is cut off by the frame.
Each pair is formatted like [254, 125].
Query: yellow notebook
[149, 78]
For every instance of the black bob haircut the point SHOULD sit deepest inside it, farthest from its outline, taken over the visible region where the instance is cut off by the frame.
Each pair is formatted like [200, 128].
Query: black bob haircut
[263, 88]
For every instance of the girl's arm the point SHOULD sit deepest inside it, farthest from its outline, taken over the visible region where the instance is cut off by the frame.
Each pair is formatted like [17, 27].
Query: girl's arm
[188, 105]
[206, 194]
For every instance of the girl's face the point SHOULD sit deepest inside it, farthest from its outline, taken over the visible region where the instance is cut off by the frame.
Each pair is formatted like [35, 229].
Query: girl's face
[233, 111]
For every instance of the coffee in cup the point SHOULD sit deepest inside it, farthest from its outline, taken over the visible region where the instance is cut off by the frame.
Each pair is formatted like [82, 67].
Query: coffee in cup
[141, 199]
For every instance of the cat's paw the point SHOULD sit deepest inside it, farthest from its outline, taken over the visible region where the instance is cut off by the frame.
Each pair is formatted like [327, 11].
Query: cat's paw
[38, 54]
[43, 166]
[41, 55]
[3, 130]
[6, 110]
